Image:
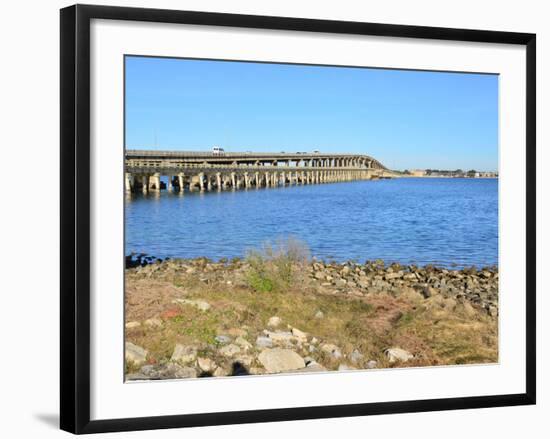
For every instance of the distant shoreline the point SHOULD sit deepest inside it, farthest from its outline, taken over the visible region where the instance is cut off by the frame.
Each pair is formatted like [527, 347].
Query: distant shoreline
[447, 176]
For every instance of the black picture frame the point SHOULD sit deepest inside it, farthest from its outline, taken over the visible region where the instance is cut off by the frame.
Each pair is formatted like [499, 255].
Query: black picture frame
[75, 217]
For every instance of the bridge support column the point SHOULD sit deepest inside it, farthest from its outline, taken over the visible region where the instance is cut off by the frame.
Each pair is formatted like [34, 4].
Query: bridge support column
[180, 181]
[267, 179]
[154, 182]
[233, 181]
[128, 182]
[246, 180]
[170, 186]
[208, 182]
[218, 181]
[200, 176]
[283, 178]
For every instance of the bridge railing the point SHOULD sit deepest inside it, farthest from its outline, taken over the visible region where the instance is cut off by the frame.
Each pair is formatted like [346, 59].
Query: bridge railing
[248, 156]
[225, 168]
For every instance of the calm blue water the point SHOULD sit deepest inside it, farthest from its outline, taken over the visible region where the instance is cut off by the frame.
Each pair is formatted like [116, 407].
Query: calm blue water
[448, 222]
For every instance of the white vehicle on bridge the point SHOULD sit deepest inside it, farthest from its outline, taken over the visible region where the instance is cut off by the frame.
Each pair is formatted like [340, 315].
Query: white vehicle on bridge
[217, 150]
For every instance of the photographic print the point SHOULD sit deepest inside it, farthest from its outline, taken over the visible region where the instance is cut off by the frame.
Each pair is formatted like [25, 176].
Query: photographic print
[290, 218]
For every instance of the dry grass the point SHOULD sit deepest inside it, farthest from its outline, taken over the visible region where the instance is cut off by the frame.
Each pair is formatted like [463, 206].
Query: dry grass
[438, 330]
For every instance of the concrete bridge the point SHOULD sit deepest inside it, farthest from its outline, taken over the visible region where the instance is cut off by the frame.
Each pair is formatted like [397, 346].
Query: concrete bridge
[202, 171]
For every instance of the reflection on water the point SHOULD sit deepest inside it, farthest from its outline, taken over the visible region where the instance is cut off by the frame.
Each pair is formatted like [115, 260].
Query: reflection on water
[446, 222]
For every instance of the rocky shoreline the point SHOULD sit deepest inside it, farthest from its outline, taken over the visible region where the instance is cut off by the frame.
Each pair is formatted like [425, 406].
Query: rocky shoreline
[478, 286]
[199, 318]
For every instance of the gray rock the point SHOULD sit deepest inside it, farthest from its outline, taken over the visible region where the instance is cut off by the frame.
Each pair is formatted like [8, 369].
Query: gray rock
[319, 314]
[344, 367]
[199, 304]
[398, 354]
[264, 342]
[246, 360]
[132, 325]
[135, 354]
[372, 364]
[221, 372]
[299, 335]
[136, 377]
[333, 350]
[184, 354]
[280, 360]
[230, 350]
[155, 322]
[356, 356]
[222, 339]
[313, 366]
[168, 371]
[242, 343]
[340, 283]
[206, 364]
[391, 276]
[280, 336]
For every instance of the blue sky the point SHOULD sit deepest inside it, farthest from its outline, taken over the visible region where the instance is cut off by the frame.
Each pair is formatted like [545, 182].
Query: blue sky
[405, 119]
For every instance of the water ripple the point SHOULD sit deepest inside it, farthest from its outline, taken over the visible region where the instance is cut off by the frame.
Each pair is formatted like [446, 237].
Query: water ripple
[448, 222]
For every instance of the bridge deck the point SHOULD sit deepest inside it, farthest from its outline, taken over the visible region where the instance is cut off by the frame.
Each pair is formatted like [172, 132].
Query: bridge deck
[249, 157]
[208, 171]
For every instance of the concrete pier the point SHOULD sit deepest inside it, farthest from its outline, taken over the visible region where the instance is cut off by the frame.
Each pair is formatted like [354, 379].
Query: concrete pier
[206, 171]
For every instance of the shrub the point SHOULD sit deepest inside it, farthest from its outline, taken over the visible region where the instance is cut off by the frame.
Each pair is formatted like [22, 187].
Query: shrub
[276, 266]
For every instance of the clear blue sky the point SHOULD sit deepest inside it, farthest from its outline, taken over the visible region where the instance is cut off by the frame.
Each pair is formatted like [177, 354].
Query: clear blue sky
[405, 119]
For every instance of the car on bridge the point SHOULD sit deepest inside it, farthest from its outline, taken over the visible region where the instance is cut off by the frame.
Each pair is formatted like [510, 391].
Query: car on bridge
[216, 150]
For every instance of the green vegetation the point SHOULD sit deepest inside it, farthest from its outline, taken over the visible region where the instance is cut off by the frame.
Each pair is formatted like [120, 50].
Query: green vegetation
[240, 296]
[276, 267]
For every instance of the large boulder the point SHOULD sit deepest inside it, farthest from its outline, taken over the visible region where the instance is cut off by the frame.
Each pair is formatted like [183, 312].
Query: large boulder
[135, 354]
[280, 360]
